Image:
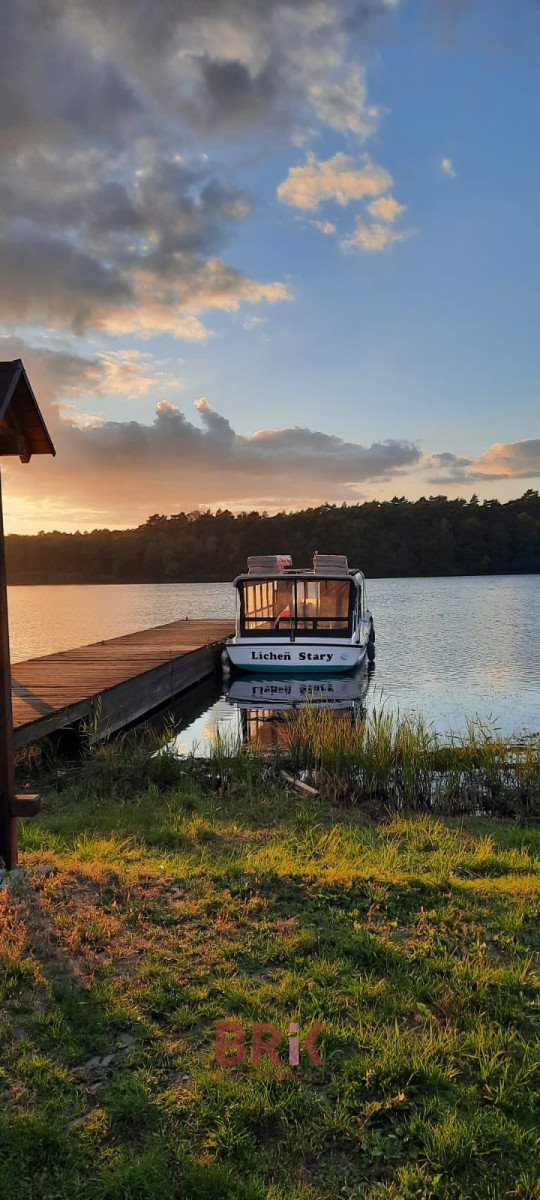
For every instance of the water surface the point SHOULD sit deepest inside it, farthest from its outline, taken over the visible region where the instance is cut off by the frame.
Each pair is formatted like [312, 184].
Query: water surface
[447, 648]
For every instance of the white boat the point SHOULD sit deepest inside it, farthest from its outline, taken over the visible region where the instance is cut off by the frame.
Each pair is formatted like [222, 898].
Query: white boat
[312, 620]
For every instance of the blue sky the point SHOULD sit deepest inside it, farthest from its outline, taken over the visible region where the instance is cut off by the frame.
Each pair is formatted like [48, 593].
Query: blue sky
[216, 219]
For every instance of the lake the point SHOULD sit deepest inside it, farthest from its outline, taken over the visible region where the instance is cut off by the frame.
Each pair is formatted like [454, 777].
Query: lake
[447, 648]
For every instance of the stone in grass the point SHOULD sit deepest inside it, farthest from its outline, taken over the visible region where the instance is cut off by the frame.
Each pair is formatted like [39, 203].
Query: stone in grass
[45, 869]
[127, 1041]
[9, 877]
[97, 1063]
[91, 1065]
[80, 1121]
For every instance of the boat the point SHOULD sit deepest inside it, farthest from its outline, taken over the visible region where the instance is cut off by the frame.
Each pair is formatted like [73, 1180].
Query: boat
[301, 620]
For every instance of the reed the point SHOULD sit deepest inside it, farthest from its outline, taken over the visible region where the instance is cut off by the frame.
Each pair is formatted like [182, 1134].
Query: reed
[385, 762]
[402, 762]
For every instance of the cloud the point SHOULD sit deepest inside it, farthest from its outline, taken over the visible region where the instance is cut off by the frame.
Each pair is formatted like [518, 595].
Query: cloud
[214, 65]
[44, 279]
[502, 460]
[515, 460]
[253, 322]
[136, 468]
[120, 248]
[343, 105]
[171, 305]
[386, 209]
[109, 220]
[448, 167]
[173, 462]
[56, 373]
[60, 374]
[374, 237]
[131, 373]
[326, 227]
[73, 415]
[339, 178]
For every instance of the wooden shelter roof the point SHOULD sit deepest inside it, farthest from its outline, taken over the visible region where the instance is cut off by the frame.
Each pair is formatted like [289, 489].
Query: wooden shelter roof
[22, 429]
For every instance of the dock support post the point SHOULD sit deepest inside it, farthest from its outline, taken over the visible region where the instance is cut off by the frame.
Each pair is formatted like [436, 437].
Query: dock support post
[8, 822]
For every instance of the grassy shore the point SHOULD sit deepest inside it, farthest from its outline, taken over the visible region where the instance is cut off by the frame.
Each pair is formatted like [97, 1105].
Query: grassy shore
[159, 898]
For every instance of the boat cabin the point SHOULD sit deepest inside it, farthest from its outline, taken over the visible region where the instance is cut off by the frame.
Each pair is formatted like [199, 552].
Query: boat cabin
[274, 599]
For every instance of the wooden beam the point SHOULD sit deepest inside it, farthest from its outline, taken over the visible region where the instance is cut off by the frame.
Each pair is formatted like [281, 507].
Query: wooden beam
[13, 443]
[16, 372]
[8, 822]
[19, 439]
[25, 804]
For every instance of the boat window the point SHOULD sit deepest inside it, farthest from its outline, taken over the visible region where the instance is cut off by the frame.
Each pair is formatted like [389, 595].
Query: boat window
[268, 604]
[322, 605]
[304, 606]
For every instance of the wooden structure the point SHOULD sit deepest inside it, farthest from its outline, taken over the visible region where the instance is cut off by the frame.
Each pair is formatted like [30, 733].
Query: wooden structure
[22, 433]
[111, 684]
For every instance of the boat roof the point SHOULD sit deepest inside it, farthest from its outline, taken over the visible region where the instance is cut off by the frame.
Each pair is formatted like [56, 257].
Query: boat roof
[352, 574]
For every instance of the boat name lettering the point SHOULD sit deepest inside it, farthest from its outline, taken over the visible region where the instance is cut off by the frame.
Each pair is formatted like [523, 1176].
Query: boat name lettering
[270, 656]
[284, 656]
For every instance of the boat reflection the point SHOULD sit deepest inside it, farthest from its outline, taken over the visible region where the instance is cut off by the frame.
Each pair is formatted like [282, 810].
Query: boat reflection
[263, 703]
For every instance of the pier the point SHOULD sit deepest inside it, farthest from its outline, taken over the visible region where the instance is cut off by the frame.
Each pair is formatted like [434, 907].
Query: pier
[109, 685]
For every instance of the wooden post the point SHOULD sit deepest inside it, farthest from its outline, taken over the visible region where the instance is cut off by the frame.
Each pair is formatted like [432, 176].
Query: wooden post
[8, 822]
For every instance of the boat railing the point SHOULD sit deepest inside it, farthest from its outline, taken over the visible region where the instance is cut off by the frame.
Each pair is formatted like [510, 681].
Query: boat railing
[298, 572]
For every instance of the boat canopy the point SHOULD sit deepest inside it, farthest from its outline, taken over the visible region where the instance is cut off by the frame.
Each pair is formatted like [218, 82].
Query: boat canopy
[307, 606]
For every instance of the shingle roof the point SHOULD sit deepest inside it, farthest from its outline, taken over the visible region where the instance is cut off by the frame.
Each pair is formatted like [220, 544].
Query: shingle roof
[22, 428]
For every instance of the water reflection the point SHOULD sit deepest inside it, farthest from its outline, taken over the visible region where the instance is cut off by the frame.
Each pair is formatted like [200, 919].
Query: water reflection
[254, 708]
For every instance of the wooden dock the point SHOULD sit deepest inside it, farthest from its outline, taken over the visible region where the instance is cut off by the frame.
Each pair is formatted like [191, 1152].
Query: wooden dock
[114, 683]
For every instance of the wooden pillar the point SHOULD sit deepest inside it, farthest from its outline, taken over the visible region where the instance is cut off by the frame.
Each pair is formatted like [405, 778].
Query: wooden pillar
[8, 823]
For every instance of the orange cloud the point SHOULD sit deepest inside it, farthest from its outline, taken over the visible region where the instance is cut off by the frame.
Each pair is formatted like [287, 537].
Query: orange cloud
[502, 460]
[514, 460]
[387, 208]
[373, 238]
[163, 305]
[126, 469]
[338, 178]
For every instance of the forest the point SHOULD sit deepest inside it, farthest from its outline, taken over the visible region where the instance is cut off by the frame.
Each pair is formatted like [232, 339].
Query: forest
[399, 537]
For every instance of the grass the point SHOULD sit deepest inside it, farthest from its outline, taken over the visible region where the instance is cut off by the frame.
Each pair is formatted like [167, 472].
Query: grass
[159, 898]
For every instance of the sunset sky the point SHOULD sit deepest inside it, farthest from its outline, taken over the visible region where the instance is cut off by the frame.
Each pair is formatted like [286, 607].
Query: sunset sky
[258, 254]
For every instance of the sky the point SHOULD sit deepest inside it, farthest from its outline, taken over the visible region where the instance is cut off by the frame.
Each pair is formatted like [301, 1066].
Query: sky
[268, 254]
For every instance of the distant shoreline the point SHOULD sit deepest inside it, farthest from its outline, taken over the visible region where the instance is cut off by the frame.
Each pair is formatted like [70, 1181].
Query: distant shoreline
[394, 539]
[226, 582]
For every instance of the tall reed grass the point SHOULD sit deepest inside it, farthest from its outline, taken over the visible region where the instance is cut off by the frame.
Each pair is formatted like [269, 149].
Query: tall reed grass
[385, 762]
[403, 762]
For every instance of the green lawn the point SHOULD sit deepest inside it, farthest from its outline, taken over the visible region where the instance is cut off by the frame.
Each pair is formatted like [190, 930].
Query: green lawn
[147, 913]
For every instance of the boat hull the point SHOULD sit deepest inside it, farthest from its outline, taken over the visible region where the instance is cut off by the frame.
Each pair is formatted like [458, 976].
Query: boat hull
[296, 657]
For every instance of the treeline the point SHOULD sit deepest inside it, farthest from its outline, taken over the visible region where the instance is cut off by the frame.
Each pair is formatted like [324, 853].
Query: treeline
[399, 537]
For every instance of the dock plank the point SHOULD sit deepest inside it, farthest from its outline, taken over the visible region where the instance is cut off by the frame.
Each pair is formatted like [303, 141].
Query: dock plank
[114, 682]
